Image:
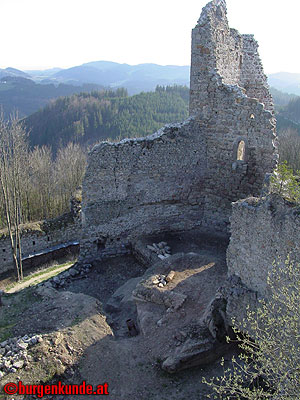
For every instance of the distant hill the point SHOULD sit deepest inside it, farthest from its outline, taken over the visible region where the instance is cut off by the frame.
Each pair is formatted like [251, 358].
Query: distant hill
[29, 97]
[80, 74]
[12, 72]
[40, 75]
[25, 96]
[135, 78]
[88, 118]
[31, 90]
[286, 82]
[145, 77]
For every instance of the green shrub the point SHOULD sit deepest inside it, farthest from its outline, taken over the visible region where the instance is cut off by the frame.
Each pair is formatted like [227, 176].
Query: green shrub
[285, 183]
[268, 366]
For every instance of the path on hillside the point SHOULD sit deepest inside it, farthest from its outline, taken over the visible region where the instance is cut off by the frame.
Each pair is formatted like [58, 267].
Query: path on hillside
[38, 278]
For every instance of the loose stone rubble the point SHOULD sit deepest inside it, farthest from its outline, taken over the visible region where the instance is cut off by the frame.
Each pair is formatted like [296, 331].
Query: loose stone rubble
[14, 353]
[163, 280]
[77, 271]
[161, 249]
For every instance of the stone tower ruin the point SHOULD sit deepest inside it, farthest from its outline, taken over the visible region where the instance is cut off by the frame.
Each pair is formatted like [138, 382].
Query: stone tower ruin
[187, 175]
[222, 51]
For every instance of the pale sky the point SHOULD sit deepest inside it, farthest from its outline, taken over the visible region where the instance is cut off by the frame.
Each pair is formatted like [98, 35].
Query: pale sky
[64, 33]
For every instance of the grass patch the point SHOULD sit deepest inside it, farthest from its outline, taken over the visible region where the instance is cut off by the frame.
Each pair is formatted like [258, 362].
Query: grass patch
[41, 273]
[12, 310]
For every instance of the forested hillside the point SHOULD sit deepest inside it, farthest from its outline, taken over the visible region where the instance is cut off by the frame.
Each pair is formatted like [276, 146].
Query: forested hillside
[288, 129]
[292, 110]
[288, 117]
[280, 98]
[18, 94]
[87, 118]
[52, 165]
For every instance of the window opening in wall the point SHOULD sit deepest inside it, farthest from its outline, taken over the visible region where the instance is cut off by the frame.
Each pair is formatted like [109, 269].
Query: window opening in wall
[48, 238]
[33, 243]
[241, 151]
[3, 250]
[4, 259]
[241, 61]
[100, 243]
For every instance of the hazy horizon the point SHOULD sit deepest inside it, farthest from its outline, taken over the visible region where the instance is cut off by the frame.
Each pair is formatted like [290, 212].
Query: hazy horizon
[65, 34]
[43, 68]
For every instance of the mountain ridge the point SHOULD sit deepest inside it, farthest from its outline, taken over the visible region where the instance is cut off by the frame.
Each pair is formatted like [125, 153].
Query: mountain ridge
[145, 75]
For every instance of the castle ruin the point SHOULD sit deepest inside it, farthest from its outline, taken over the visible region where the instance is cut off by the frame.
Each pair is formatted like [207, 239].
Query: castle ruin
[186, 175]
[189, 181]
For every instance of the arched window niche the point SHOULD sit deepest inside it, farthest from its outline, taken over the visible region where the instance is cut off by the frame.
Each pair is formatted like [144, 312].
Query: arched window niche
[240, 154]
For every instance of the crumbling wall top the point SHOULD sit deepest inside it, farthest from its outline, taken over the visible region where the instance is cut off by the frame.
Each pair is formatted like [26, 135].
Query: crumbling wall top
[216, 8]
[232, 55]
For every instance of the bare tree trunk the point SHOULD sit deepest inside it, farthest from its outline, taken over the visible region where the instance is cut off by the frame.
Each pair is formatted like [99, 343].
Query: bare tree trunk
[9, 226]
[19, 245]
[12, 163]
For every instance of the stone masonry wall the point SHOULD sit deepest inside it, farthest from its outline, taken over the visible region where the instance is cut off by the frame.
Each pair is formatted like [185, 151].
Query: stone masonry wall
[262, 231]
[217, 49]
[142, 186]
[186, 175]
[41, 236]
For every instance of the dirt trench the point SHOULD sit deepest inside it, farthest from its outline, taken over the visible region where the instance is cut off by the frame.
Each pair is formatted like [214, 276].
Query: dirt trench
[82, 317]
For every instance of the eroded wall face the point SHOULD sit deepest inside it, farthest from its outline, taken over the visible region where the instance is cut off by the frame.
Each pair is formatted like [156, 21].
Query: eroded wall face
[253, 78]
[235, 118]
[262, 232]
[230, 98]
[220, 50]
[143, 186]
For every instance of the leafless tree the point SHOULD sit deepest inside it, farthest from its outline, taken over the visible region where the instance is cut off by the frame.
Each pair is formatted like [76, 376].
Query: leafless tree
[13, 162]
[289, 148]
[41, 183]
[70, 167]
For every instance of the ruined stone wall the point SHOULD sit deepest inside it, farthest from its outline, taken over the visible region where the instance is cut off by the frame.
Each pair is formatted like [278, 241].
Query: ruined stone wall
[235, 118]
[143, 186]
[253, 78]
[186, 175]
[219, 50]
[39, 237]
[262, 231]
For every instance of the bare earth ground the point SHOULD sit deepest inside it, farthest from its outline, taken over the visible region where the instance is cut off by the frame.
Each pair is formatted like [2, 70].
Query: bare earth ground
[84, 327]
